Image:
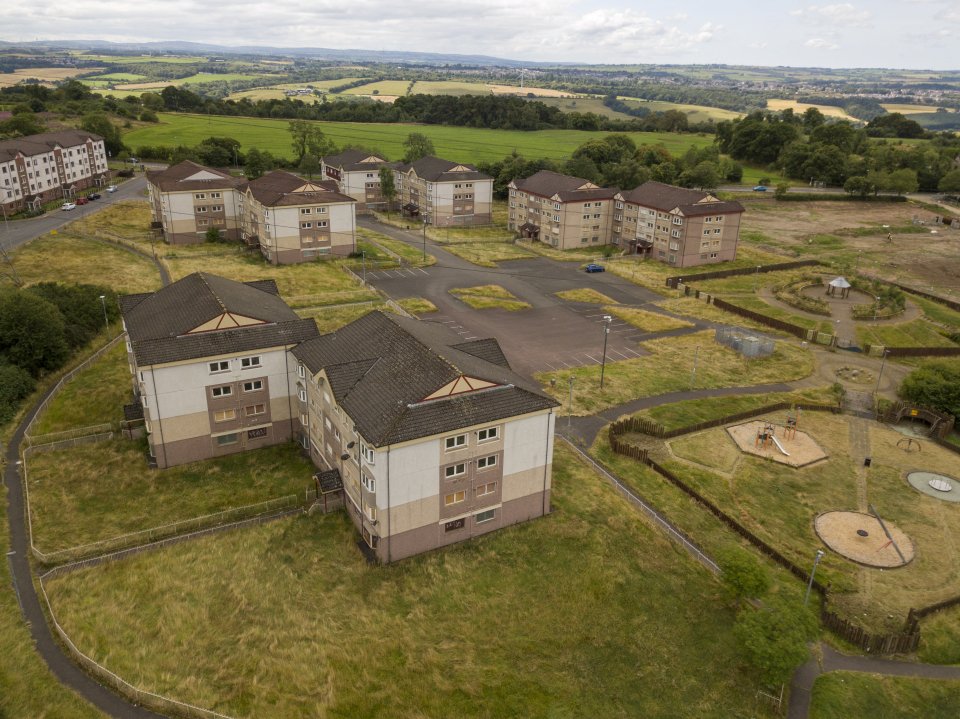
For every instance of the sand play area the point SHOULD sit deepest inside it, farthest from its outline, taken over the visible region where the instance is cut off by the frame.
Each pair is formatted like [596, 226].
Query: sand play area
[860, 538]
[796, 450]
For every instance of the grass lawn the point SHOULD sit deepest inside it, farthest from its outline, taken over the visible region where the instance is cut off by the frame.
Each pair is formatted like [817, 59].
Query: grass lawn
[646, 321]
[841, 695]
[462, 144]
[667, 369]
[918, 333]
[333, 318]
[483, 297]
[576, 254]
[940, 638]
[547, 619]
[95, 396]
[383, 87]
[410, 254]
[417, 305]
[934, 311]
[98, 491]
[692, 307]
[755, 304]
[586, 294]
[488, 254]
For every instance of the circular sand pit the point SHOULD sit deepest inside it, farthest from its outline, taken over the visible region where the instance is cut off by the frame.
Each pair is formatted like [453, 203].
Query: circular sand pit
[796, 449]
[936, 485]
[860, 538]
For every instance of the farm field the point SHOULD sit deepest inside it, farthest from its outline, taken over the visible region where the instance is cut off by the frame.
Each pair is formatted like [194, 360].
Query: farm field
[200, 77]
[696, 113]
[139, 59]
[455, 633]
[275, 92]
[46, 75]
[388, 88]
[456, 143]
[907, 109]
[801, 107]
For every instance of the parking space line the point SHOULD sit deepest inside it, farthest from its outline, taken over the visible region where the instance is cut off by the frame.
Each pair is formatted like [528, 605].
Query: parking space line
[423, 271]
[614, 352]
[593, 360]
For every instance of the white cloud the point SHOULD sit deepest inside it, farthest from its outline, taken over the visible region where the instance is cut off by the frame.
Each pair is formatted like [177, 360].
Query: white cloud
[819, 43]
[840, 14]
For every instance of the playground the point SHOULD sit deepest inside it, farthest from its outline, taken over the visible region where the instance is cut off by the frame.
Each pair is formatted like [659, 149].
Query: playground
[780, 443]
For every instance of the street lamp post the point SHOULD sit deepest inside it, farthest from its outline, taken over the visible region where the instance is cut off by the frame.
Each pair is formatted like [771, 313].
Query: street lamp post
[363, 264]
[756, 278]
[876, 306]
[880, 375]
[425, 223]
[607, 319]
[816, 561]
[693, 373]
[570, 406]
[103, 301]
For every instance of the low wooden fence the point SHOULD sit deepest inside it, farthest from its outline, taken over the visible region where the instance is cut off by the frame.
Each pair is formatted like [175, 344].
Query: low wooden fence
[788, 327]
[878, 351]
[672, 282]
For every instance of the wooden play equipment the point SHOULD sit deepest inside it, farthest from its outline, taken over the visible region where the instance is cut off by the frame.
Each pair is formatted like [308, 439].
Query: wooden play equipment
[790, 428]
[764, 436]
[908, 444]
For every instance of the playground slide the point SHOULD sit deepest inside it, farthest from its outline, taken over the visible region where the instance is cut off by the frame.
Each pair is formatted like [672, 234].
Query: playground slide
[779, 446]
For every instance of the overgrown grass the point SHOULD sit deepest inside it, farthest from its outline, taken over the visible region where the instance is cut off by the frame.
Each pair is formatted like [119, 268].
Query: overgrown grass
[488, 254]
[417, 305]
[484, 297]
[940, 638]
[586, 294]
[333, 318]
[668, 369]
[937, 312]
[693, 307]
[574, 254]
[97, 491]
[646, 320]
[469, 631]
[95, 396]
[412, 255]
[918, 333]
[843, 695]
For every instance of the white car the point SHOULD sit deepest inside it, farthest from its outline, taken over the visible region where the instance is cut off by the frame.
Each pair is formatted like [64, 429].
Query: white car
[112, 188]
[68, 206]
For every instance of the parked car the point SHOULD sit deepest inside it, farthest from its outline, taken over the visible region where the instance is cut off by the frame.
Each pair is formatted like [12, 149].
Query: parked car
[82, 201]
[760, 188]
[68, 206]
[594, 267]
[112, 188]
[93, 196]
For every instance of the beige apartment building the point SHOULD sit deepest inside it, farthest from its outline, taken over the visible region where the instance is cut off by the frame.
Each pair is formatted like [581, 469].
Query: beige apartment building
[680, 227]
[211, 366]
[435, 438]
[52, 165]
[188, 199]
[295, 220]
[562, 211]
[357, 174]
[444, 193]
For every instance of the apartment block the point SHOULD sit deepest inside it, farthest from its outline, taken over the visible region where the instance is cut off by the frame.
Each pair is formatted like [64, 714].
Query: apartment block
[436, 439]
[562, 211]
[357, 174]
[53, 165]
[211, 366]
[444, 193]
[188, 199]
[680, 227]
[295, 220]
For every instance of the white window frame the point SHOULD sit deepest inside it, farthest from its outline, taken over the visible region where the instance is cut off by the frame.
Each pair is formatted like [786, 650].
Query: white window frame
[487, 462]
[492, 514]
[457, 441]
[368, 453]
[451, 499]
[251, 362]
[454, 471]
[223, 390]
[253, 385]
[488, 434]
[219, 366]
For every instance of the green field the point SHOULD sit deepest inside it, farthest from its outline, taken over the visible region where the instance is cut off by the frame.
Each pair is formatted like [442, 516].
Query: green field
[116, 77]
[696, 113]
[383, 87]
[138, 59]
[841, 695]
[275, 92]
[462, 144]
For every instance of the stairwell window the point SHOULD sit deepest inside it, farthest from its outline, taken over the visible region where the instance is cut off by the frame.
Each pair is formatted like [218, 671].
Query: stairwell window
[221, 391]
[250, 362]
[221, 366]
[454, 498]
[225, 415]
[455, 442]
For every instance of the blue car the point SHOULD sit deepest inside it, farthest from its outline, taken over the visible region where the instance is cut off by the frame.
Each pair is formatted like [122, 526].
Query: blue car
[760, 188]
[594, 267]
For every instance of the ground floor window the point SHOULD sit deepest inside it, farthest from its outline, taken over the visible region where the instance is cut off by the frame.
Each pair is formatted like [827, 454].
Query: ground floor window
[227, 439]
[486, 516]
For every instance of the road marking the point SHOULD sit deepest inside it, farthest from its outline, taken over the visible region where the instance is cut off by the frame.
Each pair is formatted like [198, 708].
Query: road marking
[614, 352]
[593, 360]
[423, 271]
[472, 337]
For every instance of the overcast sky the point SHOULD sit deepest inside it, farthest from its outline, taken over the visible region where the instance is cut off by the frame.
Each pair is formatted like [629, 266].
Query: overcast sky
[866, 33]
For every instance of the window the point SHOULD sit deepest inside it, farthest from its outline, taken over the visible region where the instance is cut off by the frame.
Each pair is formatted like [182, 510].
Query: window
[202, 208]
[253, 410]
[301, 371]
[306, 225]
[225, 439]
[619, 205]
[368, 482]
[487, 434]
[225, 415]
[556, 218]
[200, 196]
[485, 516]
[215, 195]
[454, 498]
[597, 216]
[367, 453]
[248, 362]
[221, 366]
[598, 204]
[487, 462]
[456, 442]
[306, 210]
[717, 231]
[677, 220]
[221, 391]
[455, 470]
[484, 489]
[372, 513]
[302, 395]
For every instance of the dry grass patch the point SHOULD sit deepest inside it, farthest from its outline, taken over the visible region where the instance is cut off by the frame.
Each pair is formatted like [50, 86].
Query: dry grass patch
[692, 307]
[586, 295]
[712, 448]
[484, 297]
[667, 369]
[333, 318]
[408, 253]
[488, 254]
[417, 305]
[646, 320]
[468, 631]
[576, 254]
[98, 491]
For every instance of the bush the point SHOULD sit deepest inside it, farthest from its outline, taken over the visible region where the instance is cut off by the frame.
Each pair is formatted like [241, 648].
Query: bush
[742, 575]
[792, 295]
[149, 116]
[15, 385]
[774, 638]
[935, 385]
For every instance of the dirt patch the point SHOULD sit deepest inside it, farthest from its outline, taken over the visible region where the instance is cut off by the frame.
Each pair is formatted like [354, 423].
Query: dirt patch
[860, 538]
[798, 449]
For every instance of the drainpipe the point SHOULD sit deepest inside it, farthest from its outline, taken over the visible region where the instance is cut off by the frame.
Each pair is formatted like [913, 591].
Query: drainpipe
[546, 461]
[389, 533]
[156, 399]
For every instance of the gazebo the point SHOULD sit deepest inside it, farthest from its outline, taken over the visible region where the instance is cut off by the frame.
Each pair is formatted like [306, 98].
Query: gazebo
[840, 284]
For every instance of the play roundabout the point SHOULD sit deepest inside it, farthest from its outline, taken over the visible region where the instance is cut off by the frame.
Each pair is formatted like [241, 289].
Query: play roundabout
[937, 485]
[864, 539]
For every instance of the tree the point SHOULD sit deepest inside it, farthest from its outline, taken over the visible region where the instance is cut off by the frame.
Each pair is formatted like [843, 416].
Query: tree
[417, 146]
[15, 385]
[218, 151]
[308, 138]
[387, 187]
[774, 638]
[781, 191]
[743, 575]
[950, 182]
[309, 165]
[99, 124]
[903, 181]
[936, 385]
[213, 235]
[858, 186]
[704, 175]
[81, 308]
[32, 333]
[21, 126]
[257, 163]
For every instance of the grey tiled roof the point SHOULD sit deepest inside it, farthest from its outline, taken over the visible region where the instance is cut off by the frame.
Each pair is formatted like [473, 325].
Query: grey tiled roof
[660, 196]
[43, 143]
[548, 184]
[277, 189]
[382, 367]
[158, 324]
[352, 160]
[173, 179]
[435, 169]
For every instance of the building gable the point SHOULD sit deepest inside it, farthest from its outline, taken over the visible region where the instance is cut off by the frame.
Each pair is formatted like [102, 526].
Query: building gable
[227, 320]
[460, 385]
[203, 175]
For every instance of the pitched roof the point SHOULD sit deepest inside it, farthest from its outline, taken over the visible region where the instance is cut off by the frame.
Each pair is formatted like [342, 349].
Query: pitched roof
[281, 188]
[435, 169]
[203, 315]
[660, 196]
[382, 369]
[551, 184]
[188, 176]
[356, 160]
[43, 143]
